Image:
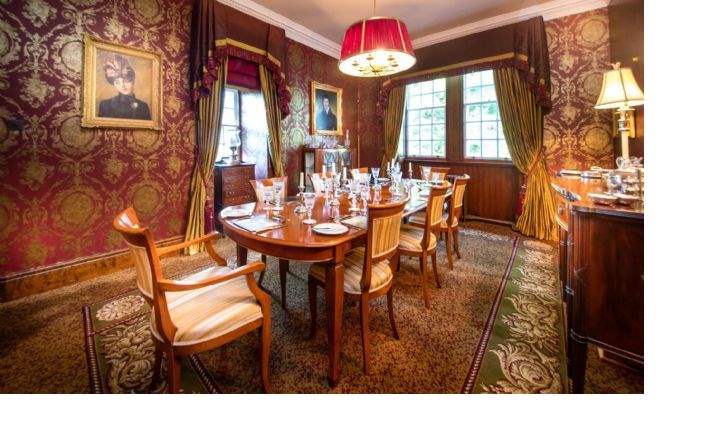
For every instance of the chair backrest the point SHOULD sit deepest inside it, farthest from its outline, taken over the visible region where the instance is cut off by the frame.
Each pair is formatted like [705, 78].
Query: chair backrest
[317, 180]
[259, 184]
[459, 189]
[441, 170]
[354, 172]
[434, 211]
[147, 265]
[383, 236]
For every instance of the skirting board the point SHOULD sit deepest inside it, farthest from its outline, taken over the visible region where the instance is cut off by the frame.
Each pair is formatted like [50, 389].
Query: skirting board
[41, 280]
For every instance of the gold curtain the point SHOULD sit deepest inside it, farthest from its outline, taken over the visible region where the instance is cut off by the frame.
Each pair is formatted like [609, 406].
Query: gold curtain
[207, 130]
[273, 116]
[522, 120]
[392, 122]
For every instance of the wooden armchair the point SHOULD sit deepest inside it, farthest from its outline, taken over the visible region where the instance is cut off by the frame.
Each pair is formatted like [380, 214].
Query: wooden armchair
[449, 224]
[368, 273]
[200, 312]
[441, 170]
[422, 242]
[283, 265]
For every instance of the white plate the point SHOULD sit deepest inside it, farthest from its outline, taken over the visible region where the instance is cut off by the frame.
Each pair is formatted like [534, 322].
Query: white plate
[330, 229]
[237, 212]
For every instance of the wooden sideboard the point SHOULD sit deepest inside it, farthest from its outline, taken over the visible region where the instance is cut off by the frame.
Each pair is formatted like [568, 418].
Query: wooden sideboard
[601, 268]
[232, 187]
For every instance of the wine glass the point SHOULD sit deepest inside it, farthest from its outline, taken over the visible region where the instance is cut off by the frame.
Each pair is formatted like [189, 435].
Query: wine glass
[365, 191]
[278, 186]
[435, 177]
[376, 172]
[354, 189]
[267, 196]
[309, 202]
[425, 173]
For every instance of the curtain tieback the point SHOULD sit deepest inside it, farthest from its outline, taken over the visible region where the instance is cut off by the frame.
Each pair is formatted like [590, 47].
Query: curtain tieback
[536, 159]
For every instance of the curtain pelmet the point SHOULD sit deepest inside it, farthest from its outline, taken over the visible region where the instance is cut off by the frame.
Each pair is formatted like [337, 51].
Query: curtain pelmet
[522, 120]
[207, 132]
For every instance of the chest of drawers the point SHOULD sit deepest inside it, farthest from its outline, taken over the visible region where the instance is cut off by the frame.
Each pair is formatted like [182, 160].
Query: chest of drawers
[232, 186]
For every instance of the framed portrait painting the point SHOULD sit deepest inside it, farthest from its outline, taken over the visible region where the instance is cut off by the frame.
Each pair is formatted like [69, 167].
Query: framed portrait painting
[122, 86]
[326, 109]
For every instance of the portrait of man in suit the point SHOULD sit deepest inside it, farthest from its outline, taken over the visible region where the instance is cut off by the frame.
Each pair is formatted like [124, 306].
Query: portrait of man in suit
[327, 111]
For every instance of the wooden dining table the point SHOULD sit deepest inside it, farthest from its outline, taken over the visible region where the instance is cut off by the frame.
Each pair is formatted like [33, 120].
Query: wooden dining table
[297, 241]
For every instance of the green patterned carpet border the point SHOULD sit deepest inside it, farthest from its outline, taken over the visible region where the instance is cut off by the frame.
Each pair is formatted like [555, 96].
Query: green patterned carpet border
[521, 349]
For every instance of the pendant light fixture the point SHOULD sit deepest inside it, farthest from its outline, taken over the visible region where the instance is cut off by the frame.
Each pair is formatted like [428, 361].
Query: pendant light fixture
[377, 46]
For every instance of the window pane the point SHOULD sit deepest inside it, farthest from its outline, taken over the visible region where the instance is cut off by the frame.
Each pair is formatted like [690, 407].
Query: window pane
[229, 117]
[473, 148]
[229, 100]
[473, 112]
[414, 132]
[439, 85]
[426, 116]
[489, 111]
[427, 87]
[427, 100]
[487, 77]
[425, 132]
[414, 117]
[503, 150]
[413, 89]
[472, 79]
[439, 132]
[414, 147]
[473, 131]
[414, 102]
[425, 148]
[489, 148]
[489, 132]
[439, 99]
[473, 94]
[439, 115]
[439, 149]
[488, 93]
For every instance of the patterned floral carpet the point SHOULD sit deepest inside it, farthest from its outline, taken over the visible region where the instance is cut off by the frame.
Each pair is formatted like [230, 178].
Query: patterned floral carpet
[42, 338]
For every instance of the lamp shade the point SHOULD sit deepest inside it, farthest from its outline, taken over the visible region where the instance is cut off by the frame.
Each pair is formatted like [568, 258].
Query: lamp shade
[378, 46]
[619, 89]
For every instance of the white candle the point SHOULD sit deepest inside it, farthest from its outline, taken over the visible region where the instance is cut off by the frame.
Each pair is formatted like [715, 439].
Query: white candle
[323, 170]
[345, 173]
[301, 182]
[410, 170]
[332, 168]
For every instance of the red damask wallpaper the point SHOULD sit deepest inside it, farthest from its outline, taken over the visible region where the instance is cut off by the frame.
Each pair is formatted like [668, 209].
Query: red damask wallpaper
[305, 65]
[575, 134]
[61, 184]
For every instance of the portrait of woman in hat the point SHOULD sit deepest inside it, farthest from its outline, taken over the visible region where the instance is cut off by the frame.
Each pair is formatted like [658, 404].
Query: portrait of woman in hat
[124, 104]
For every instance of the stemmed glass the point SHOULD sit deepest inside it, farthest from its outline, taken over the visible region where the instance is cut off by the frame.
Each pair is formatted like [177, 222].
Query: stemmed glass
[365, 192]
[267, 196]
[376, 172]
[435, 177]
[407, 185]
[278, 186]
[425, 173]
[309, 202]
[354, 189]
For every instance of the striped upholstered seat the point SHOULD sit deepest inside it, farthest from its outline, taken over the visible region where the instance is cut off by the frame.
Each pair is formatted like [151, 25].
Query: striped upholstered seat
[381, 273]
[209, 312]
[420, 219]
[411, 238]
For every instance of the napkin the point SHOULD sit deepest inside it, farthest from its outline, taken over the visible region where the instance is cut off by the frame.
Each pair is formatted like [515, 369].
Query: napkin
[257, 224]
[357, 222]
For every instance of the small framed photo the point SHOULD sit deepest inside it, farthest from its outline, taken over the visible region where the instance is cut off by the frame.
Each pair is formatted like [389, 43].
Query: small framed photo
[122, 86]
[326, 109]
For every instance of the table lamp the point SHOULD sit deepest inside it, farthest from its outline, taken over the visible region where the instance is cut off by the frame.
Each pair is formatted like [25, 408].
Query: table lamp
[620, 91]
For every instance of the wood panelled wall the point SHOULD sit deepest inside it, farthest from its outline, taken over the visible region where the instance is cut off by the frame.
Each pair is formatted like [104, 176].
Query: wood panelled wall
[493, 190]
[625, 24]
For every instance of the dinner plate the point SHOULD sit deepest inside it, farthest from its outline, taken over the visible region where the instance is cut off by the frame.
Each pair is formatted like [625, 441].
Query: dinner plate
[330, 229]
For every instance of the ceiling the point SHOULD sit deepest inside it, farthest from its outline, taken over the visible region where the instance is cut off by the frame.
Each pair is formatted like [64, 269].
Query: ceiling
[330, 18]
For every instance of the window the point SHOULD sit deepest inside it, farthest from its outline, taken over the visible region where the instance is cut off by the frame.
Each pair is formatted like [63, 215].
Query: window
[482, 122]
[229, 124]
[424, 122]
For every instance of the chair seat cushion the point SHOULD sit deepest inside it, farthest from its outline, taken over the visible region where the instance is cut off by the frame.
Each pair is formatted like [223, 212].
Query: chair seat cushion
[381, 273]
[411, 238]
[420, 219]
[209, 312]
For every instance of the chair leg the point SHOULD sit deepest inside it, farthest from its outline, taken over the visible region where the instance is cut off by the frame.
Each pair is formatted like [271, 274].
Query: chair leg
[173, 372]
[313, 303]
[455, 243]
[435, 270]
[423, 267]
[449, 249]
[397, 263]
[365, 315]
[265, 354]
[264, 259]
[392, 317]
[157, 367]
[283, 267]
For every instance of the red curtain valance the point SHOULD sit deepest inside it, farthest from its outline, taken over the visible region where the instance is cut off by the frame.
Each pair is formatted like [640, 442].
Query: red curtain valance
[243, 73]
[521, 45]
[219, 31]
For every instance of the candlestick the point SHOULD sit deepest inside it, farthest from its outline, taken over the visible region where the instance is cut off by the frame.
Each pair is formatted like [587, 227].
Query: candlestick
[332, 168]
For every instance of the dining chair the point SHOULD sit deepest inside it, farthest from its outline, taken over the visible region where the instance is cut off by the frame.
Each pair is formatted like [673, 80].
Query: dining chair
[203, 311]
[449, 224]
[317, 180]
[283, 264]
[441, 170]
[367, 271]
[422, 242]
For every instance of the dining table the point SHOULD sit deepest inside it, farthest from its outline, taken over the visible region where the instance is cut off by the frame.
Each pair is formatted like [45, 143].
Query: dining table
[295, 240]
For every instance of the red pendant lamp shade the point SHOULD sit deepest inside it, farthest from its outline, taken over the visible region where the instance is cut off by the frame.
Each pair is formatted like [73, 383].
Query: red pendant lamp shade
[378, 46]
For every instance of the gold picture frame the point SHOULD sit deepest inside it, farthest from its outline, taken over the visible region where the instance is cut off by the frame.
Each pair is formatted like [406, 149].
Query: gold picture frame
[122, 86]
[321, 122]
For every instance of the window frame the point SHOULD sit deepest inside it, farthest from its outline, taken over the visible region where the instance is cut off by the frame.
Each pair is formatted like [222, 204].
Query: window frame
[462, 148]
[404, 127]
[219, 155]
